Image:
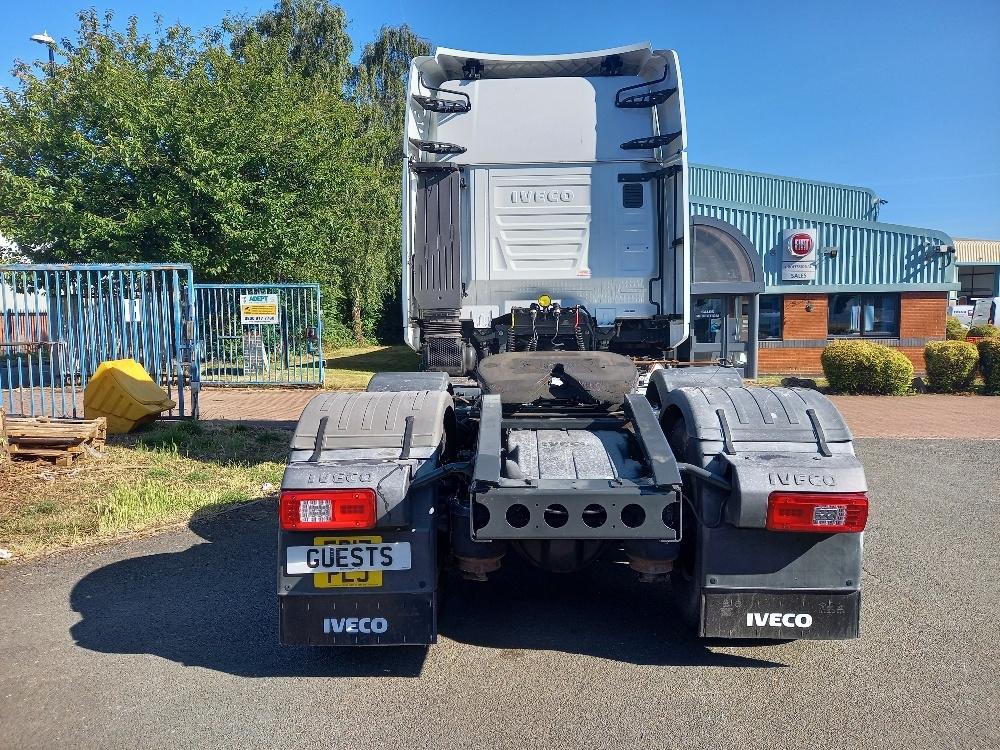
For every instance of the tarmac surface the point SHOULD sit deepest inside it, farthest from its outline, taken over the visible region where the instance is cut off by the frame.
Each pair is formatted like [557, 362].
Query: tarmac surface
[170, 641]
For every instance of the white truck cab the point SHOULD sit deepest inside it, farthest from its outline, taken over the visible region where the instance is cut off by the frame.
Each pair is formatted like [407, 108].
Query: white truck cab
[561, 177]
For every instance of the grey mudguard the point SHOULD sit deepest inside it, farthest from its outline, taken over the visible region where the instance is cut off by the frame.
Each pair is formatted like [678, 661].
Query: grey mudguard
[762, 440]
[349, 421]
[384, 441]
[667, 379]
[755, 415]
[389, 480]
[755, 476]
[399, 610]
[409, 381]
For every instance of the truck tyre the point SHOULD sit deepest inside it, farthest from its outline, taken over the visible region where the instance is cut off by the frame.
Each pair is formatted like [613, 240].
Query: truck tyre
[683, 581]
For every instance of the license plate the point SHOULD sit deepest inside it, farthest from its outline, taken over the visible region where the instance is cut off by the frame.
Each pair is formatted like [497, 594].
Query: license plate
[346, 556]
[358, 579]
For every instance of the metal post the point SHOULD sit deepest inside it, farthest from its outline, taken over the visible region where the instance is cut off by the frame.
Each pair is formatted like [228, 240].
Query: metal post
[752, 336]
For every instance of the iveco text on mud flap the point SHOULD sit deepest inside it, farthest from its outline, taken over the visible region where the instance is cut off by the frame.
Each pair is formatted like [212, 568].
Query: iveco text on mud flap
[546, 267]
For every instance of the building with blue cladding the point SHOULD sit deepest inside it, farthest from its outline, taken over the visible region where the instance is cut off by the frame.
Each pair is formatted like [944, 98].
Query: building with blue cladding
[861, 278]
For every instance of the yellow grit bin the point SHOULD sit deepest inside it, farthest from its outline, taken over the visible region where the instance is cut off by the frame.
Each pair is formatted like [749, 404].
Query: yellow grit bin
[122, 391]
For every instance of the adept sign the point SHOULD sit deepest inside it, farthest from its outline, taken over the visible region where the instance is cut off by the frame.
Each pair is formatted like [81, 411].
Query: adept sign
[798, 260]
[258, 309]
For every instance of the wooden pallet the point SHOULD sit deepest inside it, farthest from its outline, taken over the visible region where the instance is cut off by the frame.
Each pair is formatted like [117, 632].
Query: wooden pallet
[60, 441]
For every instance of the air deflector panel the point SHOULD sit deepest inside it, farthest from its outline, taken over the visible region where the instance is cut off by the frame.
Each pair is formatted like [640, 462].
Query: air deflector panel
[437, 282]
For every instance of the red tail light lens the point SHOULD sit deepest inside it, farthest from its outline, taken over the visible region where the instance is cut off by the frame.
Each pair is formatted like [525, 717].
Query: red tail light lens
[820, 512]
[303, 510]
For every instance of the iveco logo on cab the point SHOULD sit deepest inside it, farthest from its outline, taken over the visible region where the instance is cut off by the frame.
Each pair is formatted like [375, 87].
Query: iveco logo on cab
[778, 620]
[355, 625]
[541, 196]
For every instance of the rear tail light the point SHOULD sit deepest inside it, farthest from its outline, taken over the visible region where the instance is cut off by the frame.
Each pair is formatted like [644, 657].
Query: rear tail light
[821, 512]
[303, 510]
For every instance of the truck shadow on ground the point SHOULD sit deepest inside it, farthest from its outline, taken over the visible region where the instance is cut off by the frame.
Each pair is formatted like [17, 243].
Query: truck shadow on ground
[213, 605]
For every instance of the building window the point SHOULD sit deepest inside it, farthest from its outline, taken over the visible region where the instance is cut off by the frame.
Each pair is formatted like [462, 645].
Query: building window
[719, 257]
[864, 315]
[769, 321]
[977, 282]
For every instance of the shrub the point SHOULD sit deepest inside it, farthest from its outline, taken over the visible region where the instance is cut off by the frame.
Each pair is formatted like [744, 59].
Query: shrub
[989, 362]
[954, 330]
[863, 367]
[951, 365]
[985, 331]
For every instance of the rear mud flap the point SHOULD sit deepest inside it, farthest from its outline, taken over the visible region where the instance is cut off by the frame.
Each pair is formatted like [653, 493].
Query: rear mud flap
[361, 620]
[780, 614]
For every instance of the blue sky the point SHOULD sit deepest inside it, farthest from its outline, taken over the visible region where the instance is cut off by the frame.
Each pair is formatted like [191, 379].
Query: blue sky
[902, 97]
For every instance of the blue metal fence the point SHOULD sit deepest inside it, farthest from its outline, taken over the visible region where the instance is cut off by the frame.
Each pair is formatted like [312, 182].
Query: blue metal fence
[260, 334]
[59, 322]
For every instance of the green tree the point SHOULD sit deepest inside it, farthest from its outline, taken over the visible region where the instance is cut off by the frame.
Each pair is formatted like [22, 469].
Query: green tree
[378, 87]
[379, 79]
[235, 149]
[313, 33]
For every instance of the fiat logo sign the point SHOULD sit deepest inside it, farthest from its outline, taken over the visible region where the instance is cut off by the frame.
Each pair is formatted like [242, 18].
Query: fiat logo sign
[801, 244]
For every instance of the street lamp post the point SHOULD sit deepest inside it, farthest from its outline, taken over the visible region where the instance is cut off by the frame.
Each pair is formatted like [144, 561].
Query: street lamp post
[49, 42]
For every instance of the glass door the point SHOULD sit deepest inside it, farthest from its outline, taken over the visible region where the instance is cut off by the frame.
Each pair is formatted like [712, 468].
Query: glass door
[720, 328]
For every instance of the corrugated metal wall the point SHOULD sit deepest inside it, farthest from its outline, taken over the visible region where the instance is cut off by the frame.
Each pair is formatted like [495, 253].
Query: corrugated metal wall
[869, 253]
[978, 251]
[782, 193]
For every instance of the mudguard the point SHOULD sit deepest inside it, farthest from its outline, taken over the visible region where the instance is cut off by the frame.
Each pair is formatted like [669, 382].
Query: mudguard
[384, 441]
[409, 381]
[667, 379]
[747, 581]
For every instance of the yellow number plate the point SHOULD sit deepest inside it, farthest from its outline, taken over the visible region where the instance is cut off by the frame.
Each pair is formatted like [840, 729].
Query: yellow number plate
[353, 579]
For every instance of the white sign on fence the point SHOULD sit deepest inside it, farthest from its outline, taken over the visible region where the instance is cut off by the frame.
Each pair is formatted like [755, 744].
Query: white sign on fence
[258, 309]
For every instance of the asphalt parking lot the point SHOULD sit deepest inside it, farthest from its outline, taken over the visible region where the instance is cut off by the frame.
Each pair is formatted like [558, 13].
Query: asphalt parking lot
[171, 641]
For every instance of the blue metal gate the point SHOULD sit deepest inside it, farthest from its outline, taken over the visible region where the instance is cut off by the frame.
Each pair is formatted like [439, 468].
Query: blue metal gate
[260, 334]
[59, 322]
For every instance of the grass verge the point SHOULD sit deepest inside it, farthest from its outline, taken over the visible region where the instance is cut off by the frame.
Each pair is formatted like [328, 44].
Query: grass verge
[773, 381]
[350, 369]
[158, 476]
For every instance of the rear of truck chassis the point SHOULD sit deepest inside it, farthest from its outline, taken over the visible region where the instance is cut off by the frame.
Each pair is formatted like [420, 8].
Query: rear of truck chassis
[546, 281]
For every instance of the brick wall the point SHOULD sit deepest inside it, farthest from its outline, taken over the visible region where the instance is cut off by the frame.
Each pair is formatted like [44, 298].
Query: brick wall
[922, 316]
[799, 323]
[789, 361]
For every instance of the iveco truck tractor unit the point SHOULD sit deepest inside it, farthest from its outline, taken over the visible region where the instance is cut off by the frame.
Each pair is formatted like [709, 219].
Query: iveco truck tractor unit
[546, 286]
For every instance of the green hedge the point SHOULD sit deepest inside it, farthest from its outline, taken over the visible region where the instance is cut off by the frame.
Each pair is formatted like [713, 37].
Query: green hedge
[863, 367]
[985, 331]
[954, 330]
[989, 362]
[951, 365]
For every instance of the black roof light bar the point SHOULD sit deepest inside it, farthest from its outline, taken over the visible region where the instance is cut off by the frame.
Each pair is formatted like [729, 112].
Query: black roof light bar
[472, 70]
[611, 65]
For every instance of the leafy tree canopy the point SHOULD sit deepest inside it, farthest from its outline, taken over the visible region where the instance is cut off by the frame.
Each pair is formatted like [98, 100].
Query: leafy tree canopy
[253, 151]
